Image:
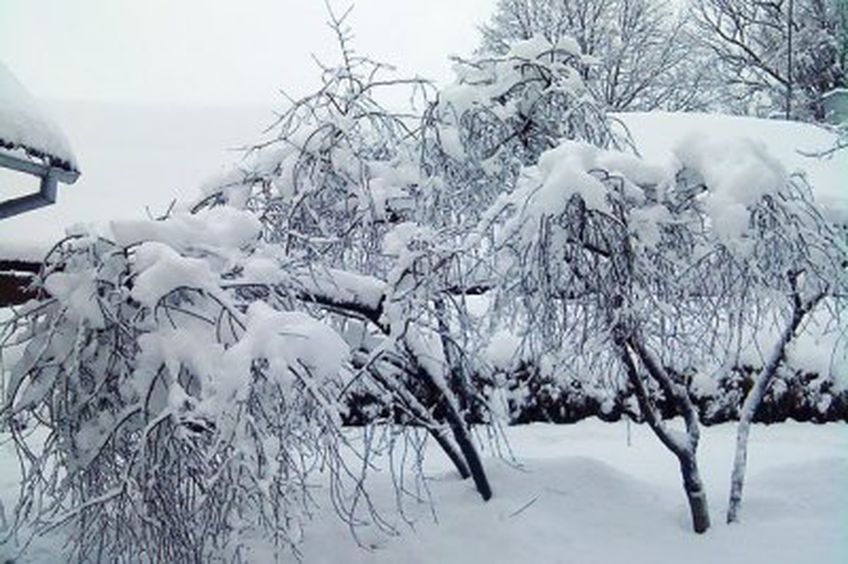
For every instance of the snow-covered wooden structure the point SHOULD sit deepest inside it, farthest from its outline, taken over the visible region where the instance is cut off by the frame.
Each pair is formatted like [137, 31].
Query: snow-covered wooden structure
[30, 144]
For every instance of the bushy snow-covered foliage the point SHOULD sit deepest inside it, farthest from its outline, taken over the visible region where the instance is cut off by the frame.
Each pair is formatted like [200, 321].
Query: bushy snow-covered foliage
[184, 421]
[337, 172]
[501, 113]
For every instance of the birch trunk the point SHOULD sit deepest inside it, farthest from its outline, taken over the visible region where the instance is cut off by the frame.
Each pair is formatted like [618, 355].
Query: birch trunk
[753, 401]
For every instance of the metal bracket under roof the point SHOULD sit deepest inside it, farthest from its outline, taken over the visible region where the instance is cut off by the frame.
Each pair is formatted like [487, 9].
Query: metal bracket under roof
[49, 175]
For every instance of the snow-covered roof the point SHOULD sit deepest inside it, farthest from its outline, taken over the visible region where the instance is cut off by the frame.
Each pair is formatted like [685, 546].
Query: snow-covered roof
[790, 142]
[25, 128]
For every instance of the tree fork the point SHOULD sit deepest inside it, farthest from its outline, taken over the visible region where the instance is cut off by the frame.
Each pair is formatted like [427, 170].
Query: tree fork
[692, 486]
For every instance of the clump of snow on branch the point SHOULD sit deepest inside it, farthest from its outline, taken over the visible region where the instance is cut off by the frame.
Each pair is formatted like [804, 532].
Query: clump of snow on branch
[738, 174]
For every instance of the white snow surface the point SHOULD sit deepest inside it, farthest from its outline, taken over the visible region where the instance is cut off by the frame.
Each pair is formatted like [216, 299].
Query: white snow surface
[221, 227]
[134, 159]
[25, 125]
[503, 350]
[579, 494]
[659, 136]
[162, 270]
[738, 172]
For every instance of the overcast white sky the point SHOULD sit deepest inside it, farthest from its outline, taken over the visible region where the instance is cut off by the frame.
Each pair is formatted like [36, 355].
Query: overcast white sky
[215, 52]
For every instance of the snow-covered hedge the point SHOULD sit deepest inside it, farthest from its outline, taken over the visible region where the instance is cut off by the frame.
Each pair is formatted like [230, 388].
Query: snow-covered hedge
[526, 396]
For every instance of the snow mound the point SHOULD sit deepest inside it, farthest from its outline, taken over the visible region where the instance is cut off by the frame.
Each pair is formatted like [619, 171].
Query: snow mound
[579, 509]
[581, 496]
[25, 127]
[823, 483]
[546, 511]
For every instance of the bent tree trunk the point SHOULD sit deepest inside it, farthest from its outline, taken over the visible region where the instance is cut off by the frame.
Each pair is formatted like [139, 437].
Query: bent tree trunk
[455, 406]
[755, 398]
[438, 384]
[451, 452]
[345, 298]
[436, 429]
[472, 457]
[461, 435]
[684, 447]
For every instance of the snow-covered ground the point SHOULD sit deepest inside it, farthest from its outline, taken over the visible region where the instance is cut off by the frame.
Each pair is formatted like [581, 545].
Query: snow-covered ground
[579, 494]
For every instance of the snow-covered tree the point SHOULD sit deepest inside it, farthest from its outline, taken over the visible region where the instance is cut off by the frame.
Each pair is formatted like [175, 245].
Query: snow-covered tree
[193, 373]
[642, 57]
[797, 282]
[777, 58]
[608, 265]
[181, 419]
[339, 185]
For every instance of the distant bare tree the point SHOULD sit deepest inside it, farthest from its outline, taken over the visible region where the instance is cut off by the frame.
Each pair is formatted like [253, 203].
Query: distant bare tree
[776, 57]
[644, 55]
